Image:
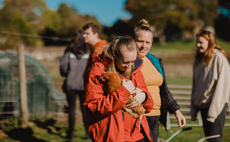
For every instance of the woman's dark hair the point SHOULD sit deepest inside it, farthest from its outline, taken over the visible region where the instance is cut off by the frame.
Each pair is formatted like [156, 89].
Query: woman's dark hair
[77, 44]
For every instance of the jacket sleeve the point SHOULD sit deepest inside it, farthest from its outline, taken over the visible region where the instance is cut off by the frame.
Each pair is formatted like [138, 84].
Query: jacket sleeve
[171, 104]
[64, 65]
[98, 103]
[140, 83]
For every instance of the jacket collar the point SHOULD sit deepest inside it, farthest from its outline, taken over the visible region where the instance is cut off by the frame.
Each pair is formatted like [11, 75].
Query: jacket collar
[156, 63]
[138, 62]
[105, 60]
[100, 43]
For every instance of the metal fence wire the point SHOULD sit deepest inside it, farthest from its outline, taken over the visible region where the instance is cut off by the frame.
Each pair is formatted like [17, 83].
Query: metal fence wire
[43, 99]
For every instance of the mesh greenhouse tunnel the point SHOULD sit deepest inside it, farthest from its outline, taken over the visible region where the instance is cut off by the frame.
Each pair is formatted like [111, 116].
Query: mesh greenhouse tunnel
[43, 99]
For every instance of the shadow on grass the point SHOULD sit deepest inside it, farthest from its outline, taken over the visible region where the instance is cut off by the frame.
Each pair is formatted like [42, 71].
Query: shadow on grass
[40, 131]
[45, 124]
[50, 127]
[23, 135]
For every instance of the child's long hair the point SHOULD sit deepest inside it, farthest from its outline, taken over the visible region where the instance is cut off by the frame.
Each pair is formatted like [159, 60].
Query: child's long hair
[113, 50]
[212, 44]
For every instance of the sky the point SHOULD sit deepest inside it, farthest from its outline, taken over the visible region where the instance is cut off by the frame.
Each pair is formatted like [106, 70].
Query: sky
[107, 12]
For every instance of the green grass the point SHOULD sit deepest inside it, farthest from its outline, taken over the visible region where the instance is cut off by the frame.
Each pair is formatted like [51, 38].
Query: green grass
[173, 46]
[48, 130]
[179, 80]
[189, 136]
[185, 46]
[39, 130]
[224, 45]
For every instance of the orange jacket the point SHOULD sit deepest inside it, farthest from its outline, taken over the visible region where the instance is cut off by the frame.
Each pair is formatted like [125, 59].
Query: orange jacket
[97, 48]
[104, 115]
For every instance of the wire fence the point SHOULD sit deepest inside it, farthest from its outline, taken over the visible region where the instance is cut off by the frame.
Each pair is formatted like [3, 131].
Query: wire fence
[33, 36]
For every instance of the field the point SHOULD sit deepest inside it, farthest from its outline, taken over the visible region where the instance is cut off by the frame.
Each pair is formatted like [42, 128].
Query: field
[48, 130]
[177, 58]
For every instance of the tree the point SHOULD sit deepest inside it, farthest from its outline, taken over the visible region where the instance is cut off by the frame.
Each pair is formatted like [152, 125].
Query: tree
[52, 20]
[183, 15]
[69, 18]
[222, 21]
[15, 23]
[21, 17]
[32, 17]
[31, 10]
[207, 11]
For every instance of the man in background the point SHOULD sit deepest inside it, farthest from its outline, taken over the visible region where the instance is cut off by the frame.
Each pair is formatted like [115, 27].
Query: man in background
[92, 36]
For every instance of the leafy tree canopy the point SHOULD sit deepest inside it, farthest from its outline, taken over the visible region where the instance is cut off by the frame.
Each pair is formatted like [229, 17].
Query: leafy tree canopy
[185, 14]
[32, 17]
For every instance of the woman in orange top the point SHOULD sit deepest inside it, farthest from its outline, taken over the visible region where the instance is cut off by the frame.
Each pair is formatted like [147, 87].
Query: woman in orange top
[106, 120]
[156, 83]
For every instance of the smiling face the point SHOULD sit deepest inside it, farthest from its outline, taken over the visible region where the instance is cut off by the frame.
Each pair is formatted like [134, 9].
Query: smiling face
[144, 42]
[202, 44]
[126, 60]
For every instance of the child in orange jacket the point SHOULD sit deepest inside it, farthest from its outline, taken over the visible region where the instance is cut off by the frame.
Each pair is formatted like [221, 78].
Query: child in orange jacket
[106, 120]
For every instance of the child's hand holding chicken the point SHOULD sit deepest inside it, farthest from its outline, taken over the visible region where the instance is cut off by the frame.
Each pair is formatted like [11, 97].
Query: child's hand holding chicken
[139, 97]
[133, 107]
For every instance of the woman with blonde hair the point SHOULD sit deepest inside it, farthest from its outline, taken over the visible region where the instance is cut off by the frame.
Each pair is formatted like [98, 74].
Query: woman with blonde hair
[211, 79]
[154, 76]
[106, 120]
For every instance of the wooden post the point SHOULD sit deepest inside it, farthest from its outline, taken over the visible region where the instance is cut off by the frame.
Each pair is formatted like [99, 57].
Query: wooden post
[23, 88]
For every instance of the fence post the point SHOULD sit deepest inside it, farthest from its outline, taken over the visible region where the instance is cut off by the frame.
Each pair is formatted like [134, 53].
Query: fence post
[23, 88]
